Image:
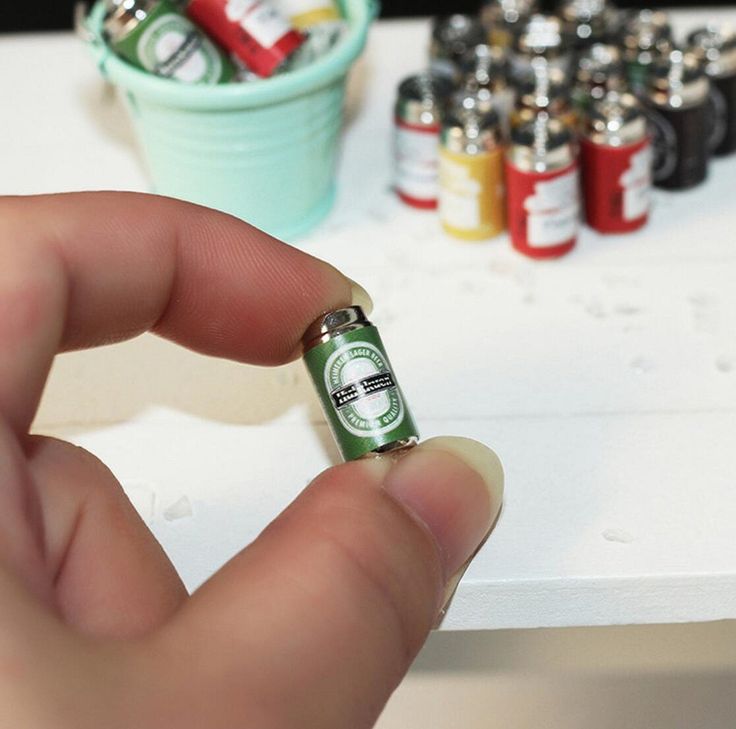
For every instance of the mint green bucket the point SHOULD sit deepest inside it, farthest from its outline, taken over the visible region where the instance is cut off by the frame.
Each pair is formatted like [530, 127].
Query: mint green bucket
[264, 151]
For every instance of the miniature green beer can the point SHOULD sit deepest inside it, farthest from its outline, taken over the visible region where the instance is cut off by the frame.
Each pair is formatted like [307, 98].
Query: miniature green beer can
[356, 385]
[155, 36]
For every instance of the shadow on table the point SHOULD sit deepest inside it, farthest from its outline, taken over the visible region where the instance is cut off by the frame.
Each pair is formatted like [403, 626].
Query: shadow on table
[102, 103]
[612, 649]
[115, 383]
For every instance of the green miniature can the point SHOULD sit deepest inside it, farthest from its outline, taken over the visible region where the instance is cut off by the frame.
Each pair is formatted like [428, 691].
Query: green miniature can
[356, 385]
[155, 36]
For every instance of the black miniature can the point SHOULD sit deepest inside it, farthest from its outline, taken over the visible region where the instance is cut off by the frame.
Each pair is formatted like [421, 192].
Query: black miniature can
[715, 48]
[679, 112]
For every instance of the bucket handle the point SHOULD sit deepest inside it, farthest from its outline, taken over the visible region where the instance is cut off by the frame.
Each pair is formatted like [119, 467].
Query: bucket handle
[374, 8]
[85, 30]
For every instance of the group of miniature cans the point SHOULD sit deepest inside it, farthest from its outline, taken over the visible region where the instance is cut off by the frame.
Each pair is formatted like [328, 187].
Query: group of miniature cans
[517, 106]
[213, 41]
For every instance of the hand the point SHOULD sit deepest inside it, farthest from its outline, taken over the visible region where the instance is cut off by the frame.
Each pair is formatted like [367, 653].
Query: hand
[316, 622]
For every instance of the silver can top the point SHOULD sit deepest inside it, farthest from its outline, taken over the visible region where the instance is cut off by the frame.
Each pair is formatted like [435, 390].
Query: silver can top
[542, 35]
[122, 16]
[581, 10]
[678, 81]
[485, 67]
[471, 125]
[600, 69]
[454, 35]
[546, 88]
[332, 324]
[586, 20]
[616, 120]
[715, 47]
[598, 62]
[508, 12]
[543, 144]
[420, 98]
[647, 31]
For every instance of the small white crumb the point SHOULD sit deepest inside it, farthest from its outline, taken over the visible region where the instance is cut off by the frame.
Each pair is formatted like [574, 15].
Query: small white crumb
[641, 365]
[595, 308]
[618, 535]
[143, 498]
[628, 309]
[180, 509]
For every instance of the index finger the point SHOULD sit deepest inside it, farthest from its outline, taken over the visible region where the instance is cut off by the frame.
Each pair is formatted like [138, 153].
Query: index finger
[84, 269]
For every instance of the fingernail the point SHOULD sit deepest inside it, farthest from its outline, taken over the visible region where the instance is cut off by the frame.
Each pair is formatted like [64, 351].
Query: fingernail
[449, 593]
[360, 297]
[454, 487]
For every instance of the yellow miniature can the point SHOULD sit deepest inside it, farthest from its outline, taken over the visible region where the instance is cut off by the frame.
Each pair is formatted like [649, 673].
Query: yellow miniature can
[471, 194]
[305, 14]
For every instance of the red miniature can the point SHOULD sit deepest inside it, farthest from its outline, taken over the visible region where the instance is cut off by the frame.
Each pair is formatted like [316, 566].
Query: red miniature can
[253, 30]
[616, 161]
[416, 138]
[416, 163]
[542, 188]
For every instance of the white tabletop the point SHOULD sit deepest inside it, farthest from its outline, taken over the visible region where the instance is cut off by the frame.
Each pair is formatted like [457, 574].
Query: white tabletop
[606, 380]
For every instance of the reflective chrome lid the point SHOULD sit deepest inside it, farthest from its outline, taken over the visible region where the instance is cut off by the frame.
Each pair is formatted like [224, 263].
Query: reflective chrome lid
[507, 11]
[588, 19]
[332, 324]
[454, 35]
[542, 35]
[647, 30]
[616, 120]
[541, 145]
[545, 86]
[420, 98]
[598, 62]
[715, 47]
[485, 66]
[122, 16]
[470, 125]
[677, 80]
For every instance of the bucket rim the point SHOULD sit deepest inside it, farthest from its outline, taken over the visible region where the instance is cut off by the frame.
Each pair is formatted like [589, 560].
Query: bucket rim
[168, 92]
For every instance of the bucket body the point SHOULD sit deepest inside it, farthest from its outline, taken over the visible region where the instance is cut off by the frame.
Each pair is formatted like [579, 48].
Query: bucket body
[264, 151]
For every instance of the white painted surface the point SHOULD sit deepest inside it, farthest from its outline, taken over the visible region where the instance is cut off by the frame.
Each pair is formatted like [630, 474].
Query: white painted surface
[606, 380]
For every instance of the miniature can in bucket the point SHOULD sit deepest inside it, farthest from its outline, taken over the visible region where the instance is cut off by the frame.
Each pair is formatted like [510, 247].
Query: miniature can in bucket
[264, 151]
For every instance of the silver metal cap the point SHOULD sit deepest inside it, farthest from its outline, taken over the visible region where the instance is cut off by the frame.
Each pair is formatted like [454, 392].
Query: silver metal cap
[598, 62]
[122, 16]
[546, 88]
[471, 125]
[542, 145]
[421, 97]
[507, 12]
[485, 66]
[587, 19]
[454, 35]
[715, 48]
[616, 120]
[647, 31]
[678, 81]
[332, 324]
[542, 35]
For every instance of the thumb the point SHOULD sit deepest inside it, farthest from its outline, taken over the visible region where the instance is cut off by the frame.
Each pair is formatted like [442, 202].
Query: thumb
[315, 623]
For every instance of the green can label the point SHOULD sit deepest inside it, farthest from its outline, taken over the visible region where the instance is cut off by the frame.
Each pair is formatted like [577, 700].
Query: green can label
[169, 45]
[359, 392]
[637, 74]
